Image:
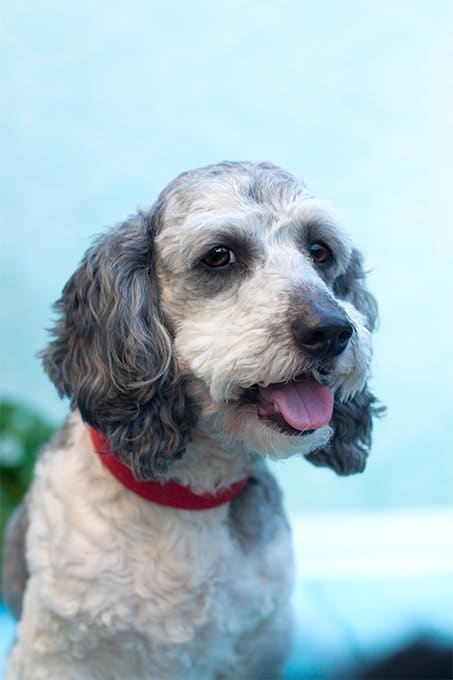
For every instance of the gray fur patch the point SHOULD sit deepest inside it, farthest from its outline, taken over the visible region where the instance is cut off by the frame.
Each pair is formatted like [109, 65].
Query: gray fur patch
[257, 515]
[352, 420]
[15, 569]
[112, 355]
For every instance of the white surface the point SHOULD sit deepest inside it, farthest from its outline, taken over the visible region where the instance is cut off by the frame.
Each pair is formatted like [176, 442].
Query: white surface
[375, 544]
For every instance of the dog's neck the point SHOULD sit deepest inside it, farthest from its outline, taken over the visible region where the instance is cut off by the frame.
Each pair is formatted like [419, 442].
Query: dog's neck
[211, 461]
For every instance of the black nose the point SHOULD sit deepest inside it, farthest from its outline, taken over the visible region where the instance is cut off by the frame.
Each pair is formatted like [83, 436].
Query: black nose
[325, 339]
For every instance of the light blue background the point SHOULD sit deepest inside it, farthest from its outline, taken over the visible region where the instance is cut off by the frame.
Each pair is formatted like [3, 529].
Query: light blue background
[105, 102]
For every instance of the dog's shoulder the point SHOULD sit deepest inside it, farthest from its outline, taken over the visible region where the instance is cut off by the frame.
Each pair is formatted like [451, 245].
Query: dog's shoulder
[15, 566]
[257, 516]
[15, 569]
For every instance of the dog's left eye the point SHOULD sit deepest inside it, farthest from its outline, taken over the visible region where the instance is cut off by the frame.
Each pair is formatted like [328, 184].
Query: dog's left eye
[220, 256]
[320, 253]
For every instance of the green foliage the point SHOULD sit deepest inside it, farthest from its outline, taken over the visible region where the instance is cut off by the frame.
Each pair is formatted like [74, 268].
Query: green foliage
[22, 433]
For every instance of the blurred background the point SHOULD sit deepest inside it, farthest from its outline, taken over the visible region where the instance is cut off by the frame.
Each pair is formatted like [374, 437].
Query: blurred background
[103, 103]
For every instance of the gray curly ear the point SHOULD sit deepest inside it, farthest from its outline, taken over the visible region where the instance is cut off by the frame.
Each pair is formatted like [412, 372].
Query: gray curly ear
[350, 286]
[352, 420]
[112, 354]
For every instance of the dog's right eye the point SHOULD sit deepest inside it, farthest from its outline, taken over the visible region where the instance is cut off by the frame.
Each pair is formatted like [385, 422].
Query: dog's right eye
[219, 257]
[320, 253]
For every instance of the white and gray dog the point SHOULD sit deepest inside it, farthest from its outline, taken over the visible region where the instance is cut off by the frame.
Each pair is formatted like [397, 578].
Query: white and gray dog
[227, 323]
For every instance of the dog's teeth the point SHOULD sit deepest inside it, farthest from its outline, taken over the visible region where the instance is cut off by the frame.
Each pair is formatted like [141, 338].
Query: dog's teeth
[276, 408]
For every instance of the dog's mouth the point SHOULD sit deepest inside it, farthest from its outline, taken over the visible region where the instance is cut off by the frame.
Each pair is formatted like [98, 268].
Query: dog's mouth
[297, 408]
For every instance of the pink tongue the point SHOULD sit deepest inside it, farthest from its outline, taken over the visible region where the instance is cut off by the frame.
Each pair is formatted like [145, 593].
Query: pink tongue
[305, 405]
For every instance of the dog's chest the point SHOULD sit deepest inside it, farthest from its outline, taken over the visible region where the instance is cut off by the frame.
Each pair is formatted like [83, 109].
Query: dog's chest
[200, 574]
[124, 567]
[223, 570]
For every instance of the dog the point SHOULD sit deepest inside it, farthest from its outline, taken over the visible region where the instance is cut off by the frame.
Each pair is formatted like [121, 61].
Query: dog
[228, 323]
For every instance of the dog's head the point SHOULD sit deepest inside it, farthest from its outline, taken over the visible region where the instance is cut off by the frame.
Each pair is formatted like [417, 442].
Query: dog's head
[237, 299]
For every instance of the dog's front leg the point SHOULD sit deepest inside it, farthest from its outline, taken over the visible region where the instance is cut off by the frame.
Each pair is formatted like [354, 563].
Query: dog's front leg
[262, 653]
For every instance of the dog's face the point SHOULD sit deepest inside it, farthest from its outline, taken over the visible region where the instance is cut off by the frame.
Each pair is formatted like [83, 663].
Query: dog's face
[247, 272]
[238, 299]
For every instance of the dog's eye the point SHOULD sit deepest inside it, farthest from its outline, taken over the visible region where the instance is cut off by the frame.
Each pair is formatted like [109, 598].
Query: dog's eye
[320, 253]
[220, 256]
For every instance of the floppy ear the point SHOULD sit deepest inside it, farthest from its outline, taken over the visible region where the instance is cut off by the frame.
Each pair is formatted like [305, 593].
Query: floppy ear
[352, 420]
[112, 354]
[350, 286]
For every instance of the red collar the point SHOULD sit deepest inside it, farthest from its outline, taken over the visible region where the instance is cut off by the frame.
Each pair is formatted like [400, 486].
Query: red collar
[170, 494]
